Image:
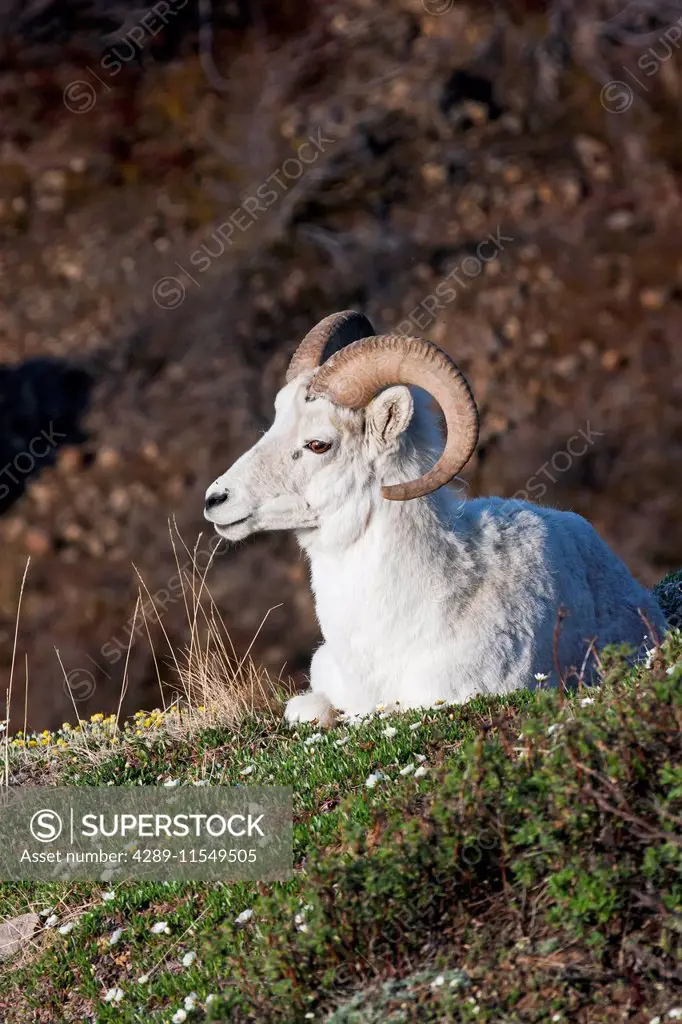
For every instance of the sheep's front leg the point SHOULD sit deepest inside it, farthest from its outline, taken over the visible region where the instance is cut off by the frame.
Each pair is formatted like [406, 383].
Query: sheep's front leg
[326, 693]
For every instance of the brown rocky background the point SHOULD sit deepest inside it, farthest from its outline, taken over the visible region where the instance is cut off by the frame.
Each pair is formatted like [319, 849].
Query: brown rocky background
[438, 123]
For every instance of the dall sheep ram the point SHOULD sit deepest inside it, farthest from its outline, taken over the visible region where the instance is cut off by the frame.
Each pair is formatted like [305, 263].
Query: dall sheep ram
[421, 596]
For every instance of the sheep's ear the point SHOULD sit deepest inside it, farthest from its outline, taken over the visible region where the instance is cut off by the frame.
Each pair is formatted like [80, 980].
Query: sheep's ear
[389, 414]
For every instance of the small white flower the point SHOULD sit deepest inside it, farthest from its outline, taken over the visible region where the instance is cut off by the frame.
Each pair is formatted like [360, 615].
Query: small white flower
[415, 726]
[51, 921]
[372, 779]
[191, 1002]
[407, 770]
[106, 896]
[437, 982]
[188, 959]
[114, 995]
[553, 728]
[315, 738]
[179, 1016]
[2, 726]
[380, 707]
[438, 703]
[669, 672]
[245, 916]
[170, 783]
[247, 771]
[655, 1020]
[389, 732]
[420, 757]
[675, 1013]
[160, 928]
[556, 1017]
[211, 998]
[46, 912]
[66, 928]
[586, 701]
[143, 979]
[541, 677]
[200, 782]
[342, 742]
[420, 772]
[309, 1016]
[115, 936]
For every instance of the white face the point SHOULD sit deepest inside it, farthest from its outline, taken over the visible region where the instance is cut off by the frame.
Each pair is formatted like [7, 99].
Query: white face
[315, 458]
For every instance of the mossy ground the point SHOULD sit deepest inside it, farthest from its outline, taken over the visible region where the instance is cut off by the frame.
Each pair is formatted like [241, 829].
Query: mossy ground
[529, 871]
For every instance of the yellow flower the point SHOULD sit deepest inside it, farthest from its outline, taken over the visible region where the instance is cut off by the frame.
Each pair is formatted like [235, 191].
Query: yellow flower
[99, 717]
[33, 743]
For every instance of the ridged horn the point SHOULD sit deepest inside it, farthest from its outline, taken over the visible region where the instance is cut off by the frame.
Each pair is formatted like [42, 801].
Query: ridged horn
[353, 376]
[329, 336]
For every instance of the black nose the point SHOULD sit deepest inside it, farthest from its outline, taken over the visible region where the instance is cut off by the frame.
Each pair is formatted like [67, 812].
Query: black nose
[216, 499]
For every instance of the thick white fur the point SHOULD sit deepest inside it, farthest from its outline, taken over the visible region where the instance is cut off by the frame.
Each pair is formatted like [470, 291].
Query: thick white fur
[434, 598]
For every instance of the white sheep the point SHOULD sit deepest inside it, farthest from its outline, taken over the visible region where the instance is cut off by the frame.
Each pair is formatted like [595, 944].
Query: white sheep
[421, 596]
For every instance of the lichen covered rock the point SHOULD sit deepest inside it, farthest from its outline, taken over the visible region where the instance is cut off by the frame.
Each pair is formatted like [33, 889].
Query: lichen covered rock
[669, 595]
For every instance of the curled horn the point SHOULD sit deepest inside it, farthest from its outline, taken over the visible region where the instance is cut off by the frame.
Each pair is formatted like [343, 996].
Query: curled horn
[353, 376]
[329, 336]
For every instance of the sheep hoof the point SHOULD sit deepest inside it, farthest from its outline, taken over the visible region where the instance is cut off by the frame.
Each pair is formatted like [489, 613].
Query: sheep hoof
[310, 707]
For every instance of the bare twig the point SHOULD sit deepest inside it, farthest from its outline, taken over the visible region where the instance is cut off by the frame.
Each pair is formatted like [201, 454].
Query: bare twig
[652, 631]
[562, 613]
[647, 831]
[590, 650]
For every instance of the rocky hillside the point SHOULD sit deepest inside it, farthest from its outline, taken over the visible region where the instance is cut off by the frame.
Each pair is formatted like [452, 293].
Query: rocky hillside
[179, 202]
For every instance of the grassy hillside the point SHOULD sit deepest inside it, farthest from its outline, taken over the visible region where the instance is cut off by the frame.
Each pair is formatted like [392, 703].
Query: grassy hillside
[512, 860]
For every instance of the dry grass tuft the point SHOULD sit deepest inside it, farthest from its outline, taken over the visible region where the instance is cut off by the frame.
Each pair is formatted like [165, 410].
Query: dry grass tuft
[214, 681]
[206, 684]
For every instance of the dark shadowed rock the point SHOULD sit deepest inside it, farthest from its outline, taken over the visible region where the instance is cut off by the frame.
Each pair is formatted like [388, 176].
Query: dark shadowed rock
[669, 594]
[41, 405]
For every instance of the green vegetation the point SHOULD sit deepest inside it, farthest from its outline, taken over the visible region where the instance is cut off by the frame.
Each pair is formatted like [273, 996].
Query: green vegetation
[526, 867]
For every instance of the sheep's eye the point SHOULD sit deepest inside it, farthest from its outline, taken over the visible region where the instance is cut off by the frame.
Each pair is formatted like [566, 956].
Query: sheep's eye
[318, 447]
